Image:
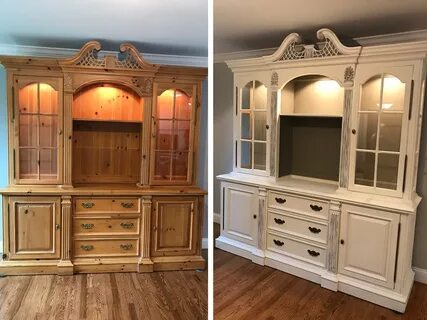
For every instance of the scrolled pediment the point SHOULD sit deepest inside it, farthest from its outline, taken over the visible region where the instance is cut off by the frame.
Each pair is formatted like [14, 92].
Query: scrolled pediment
[292, 48]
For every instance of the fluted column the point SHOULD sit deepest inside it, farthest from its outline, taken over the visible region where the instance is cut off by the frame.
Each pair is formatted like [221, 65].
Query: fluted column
[65, 266]
[333, 236]
[145, 262]
[273, 122]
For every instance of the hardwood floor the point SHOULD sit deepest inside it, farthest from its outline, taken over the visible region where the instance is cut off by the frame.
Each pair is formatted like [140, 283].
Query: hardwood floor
[158, 295]
[245, 290]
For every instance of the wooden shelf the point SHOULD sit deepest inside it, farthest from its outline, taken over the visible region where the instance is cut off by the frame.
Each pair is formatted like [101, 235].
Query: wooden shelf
[311, 115]
[103, 120]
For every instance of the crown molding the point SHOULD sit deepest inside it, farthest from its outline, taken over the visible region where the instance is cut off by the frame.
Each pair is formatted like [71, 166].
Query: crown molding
[392, 38]
[52, 52]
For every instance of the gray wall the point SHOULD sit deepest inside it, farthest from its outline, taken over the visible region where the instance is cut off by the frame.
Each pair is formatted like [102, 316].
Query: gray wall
[223, 155]
[223, 126]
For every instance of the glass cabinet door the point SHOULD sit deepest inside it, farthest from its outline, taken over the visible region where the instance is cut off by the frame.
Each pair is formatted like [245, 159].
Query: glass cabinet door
[37, 108]
[173, 122]
[252, 151]
[382, 119]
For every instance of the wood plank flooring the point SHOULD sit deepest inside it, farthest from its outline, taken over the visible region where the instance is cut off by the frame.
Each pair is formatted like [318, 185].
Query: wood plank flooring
[245, 290]
[158, 295]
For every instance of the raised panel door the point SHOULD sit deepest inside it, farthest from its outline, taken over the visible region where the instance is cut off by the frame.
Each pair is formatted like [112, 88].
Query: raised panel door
[34, 228]
[368, 244]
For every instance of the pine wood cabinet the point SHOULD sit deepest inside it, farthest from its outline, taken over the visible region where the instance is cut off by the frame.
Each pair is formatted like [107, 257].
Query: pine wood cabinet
[34, 228]
[103, 153]
[326, 148]
[175, 226]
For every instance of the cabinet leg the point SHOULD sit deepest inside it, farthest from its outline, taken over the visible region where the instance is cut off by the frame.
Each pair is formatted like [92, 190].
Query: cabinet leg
[65, 268]
[145, 265]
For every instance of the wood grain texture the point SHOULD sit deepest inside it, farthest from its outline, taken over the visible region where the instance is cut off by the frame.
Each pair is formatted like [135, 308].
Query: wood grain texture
[259, 292]
[161, 295]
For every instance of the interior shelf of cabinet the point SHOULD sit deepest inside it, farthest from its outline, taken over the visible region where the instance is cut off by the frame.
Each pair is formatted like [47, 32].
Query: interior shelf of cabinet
[107, 120]
[311, 115]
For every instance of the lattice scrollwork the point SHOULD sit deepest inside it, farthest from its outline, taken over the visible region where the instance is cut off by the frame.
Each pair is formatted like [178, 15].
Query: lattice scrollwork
[88, 56]
[293, 49]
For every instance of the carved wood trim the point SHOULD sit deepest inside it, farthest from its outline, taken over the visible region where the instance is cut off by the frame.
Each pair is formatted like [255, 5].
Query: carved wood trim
[333, 236]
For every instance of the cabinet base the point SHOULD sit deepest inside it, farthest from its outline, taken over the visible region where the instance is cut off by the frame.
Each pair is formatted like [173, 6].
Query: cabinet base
[100, 265]
[336, 282]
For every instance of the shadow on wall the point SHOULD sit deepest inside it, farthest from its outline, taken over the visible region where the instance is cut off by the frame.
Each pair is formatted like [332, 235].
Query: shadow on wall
[3, 140]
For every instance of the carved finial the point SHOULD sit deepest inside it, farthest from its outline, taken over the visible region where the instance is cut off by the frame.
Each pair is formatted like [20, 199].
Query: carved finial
[274, 79]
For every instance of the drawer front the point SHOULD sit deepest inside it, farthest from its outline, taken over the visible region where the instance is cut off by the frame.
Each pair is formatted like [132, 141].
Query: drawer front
[283, 201]
[101, 205]
[298, 226]
[106, 248]
[106, 226]
[297, 249]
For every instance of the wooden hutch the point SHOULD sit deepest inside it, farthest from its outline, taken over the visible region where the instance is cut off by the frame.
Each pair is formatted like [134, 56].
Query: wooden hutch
[327, 141]
[103, 156]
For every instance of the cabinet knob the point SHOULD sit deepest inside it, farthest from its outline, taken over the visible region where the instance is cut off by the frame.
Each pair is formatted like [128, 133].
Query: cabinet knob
[280, 200]
[278, 242]
[353, 131]
[254, 216]
[279, 221]
[342, 241]
[314, 230]
[267, 126]
[57, 226]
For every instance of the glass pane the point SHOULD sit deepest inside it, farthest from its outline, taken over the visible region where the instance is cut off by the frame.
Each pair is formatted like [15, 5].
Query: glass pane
[48, 99]
[246, 126]
[165, 135]
[28, 164]
[179, 165]
[182, 135]
[28, 130]
[367, 132]
[260, 96]
[162, 165]
[260, 150]
[388, 165]
[165, 105]
[246, 155]
[260, 123]
[48, 131]
[393, 93]
[365, 168]
[246, 96]
[182, 106]
[48, 164]
[371, 94]
[390, 130]
[28, 99]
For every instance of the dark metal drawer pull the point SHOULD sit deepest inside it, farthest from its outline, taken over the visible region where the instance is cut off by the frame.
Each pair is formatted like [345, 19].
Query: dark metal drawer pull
[127, 225]
[279, 221]
[278, 242]
[87, 225]
[313, 253]
[315, 207]
[280, 200]
[88, 205]
[314, 230]
[126, 246]
[127, 205]
[87, 247]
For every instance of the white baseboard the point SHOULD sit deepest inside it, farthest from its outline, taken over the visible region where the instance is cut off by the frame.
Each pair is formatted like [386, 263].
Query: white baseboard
[216, 218]
[420, 275]
[205, 243]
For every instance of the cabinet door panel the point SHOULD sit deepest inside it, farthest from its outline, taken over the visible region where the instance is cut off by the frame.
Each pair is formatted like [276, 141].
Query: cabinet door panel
[368, 245]
[175, 227]
[240, 215]
[33, 231]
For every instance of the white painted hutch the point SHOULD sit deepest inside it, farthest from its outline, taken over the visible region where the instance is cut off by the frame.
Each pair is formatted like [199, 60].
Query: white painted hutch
[325, 165]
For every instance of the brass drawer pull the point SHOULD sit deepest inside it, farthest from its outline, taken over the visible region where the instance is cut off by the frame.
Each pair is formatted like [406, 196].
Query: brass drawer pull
[279, 221]
[314, 230]
[127, 225]
[278, 242]
[280, 200]
[313, 253]
[87, 225]
[315, 207]
[88, 205]
[127, 205]
[126, 246]
[87, 247]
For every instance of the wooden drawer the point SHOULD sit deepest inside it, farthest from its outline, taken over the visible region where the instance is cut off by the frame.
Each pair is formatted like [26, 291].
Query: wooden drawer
[106, 226]
[106, 248]
[283, 201]
[297, 249]
[102, 205]
[298, 226]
